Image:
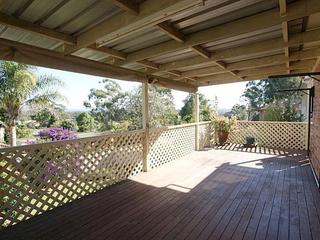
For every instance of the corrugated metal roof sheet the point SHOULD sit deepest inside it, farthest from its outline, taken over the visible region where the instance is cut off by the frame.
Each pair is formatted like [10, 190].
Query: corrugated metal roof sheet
[76, 17]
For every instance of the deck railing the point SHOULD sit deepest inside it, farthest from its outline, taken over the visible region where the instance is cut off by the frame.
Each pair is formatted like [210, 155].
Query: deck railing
[283, 135]
[37, 178]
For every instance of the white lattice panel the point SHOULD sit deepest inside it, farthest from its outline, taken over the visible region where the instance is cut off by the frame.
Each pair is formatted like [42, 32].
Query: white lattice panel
[285, 135]
[37, 178]
[205, 131]
[169, 144]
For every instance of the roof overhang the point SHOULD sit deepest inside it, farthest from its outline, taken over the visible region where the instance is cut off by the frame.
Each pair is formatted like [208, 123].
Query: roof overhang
[179, 44]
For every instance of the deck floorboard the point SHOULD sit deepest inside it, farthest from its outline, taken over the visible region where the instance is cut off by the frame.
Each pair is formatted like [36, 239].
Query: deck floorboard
[214, 194]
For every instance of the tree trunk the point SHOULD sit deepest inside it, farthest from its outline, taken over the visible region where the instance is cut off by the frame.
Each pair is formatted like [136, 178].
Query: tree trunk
[12, 136]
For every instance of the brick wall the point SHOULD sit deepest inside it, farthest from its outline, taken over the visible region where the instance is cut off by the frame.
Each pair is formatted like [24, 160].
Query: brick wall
[315, 130]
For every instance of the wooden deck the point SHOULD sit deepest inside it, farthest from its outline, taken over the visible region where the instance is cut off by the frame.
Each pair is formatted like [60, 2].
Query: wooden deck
[214, 194]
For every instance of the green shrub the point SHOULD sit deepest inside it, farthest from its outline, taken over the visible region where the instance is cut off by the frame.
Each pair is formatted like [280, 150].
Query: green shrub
[69, 124]
[23, 132]
[86, 122]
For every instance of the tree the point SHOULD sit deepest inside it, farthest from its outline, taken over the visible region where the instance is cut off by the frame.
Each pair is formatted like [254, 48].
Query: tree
[107, 104]
[161, 107]
[187, 111]
[239, 111]
[117, 109]
[21, 87]
[69, 124]
[262, 93]
[44, 117]
[86, 122]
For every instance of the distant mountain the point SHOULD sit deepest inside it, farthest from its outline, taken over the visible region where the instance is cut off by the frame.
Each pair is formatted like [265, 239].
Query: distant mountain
[222, 111]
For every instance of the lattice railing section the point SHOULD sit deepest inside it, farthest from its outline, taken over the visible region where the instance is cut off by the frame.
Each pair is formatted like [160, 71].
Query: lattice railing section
[285, 135]
[205, 131]
[170, 143]
[39, 177]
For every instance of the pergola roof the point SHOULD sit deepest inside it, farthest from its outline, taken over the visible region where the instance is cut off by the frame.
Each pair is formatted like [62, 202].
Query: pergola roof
[181, 44]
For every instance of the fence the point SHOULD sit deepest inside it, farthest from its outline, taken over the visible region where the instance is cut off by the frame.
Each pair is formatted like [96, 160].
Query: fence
[285, 135]
[39, 177]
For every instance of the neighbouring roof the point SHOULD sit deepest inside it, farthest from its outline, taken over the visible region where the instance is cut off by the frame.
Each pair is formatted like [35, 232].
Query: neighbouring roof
[181, 44]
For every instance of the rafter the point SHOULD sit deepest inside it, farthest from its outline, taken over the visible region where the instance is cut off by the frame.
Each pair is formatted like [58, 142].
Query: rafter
[31, 27]
[171, 31]
[285, 32]
[21, 10]
[127, 5]
[149, 64]
[78, 15]
[281, 67]
[109, 51]
[201, 51]
[231, 79]
[42, 57]
[51, 12]
[246, 50]
[316, 66]
[253, 63]
[230, 30]
[151, 13]
[49, 33]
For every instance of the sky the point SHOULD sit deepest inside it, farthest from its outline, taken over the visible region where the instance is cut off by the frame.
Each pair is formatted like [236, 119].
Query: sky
[77, 87]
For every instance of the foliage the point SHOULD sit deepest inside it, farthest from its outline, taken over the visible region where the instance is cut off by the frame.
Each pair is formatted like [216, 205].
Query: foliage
[21, 87]
[86, 122]
[238, 111]
[44, 117]
[281, 113]
[224, 124]
[24, 132]
[262, 93]
[69, 124]
[206, 111]
[120, 126]
[107, 104]
[162, 108]
[114, 107]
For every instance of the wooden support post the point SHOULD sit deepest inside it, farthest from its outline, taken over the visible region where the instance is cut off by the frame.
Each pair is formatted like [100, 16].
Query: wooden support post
[145, 120]
[196, 119]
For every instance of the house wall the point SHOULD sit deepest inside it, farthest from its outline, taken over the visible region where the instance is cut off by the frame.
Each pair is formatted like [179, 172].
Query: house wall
[315, 131]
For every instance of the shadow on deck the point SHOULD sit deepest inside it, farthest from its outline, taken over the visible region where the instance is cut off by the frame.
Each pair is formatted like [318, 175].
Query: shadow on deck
[214, 194]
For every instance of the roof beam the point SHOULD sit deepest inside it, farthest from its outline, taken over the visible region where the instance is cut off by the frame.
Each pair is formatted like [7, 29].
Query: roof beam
[149, 64]
[34, 28]
[129, 6]
[79, 14]
[253, 72]
[316, 65]
[14, 51]
[201, 51]
[247, 78]
[285, 32]
[151, 13]
[295, 66]
[115, 53]
[253, 63]
[21, 10]
[245, 50]
[171, 31]
[49, 33]
[253, 24]
[51, 12]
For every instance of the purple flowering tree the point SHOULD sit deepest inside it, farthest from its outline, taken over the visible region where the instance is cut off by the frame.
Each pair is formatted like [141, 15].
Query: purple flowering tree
[59, 167]
[56, 134]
